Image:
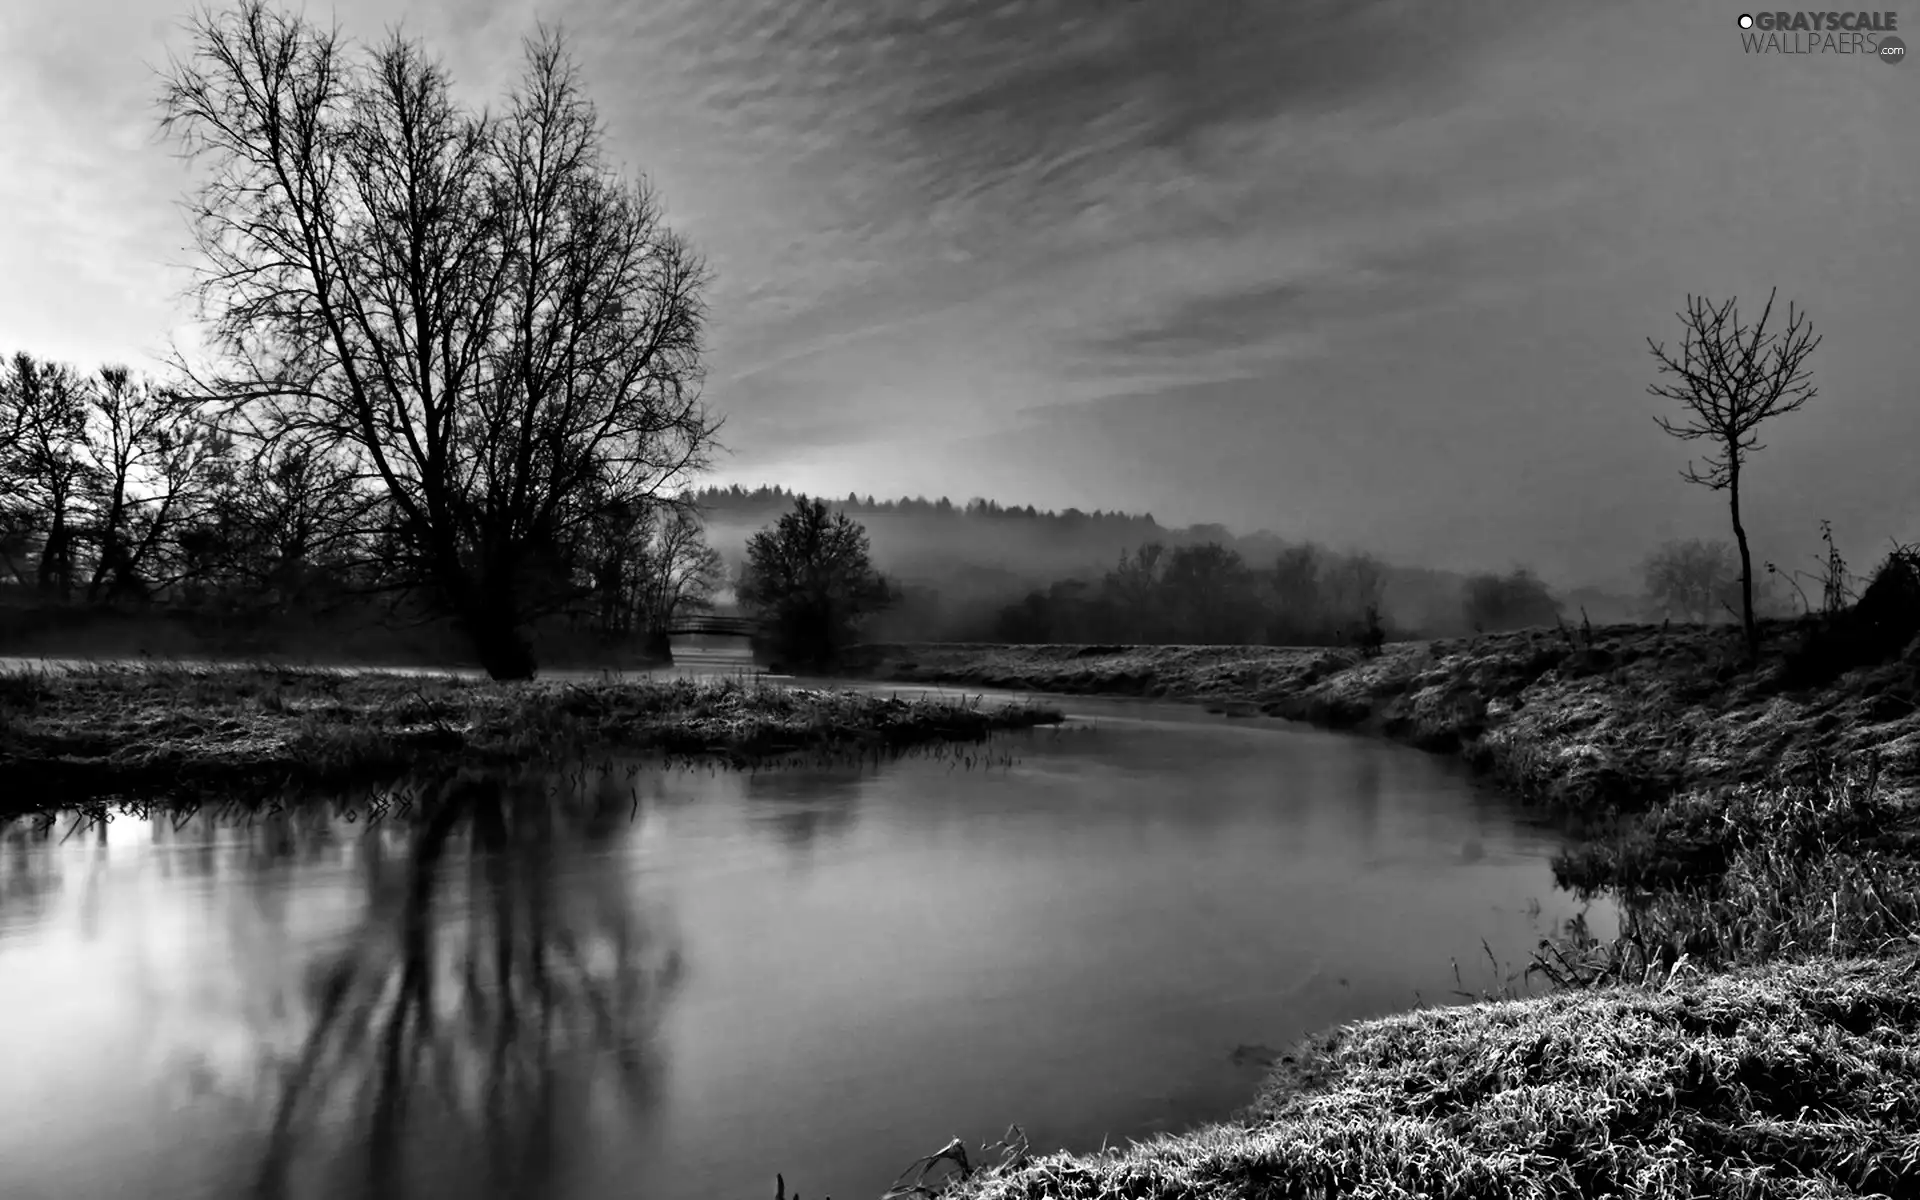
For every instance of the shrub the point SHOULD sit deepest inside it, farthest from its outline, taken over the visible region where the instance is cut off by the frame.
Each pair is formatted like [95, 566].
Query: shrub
[1875, 630]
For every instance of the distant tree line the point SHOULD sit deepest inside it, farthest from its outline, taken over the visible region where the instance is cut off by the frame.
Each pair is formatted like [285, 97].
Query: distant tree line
[1209, 594]
[1204, 594]
[761, 504]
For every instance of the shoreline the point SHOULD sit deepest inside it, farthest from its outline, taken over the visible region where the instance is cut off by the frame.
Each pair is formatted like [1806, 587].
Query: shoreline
[1615, 722]
[1790, 1080]
[87, 735]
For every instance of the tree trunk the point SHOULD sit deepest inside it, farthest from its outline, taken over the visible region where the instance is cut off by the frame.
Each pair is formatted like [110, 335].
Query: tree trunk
[498, 641]
[1746, 570]
[56, 555]
[503, 652]
[658, 647]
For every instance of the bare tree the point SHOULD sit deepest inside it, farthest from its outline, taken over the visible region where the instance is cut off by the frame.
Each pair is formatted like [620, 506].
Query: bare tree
[1351, 584]
[1691, 577]
[1135, 589]
[648, 566]
[1492, 603]
[1211, 593]
[496, 328]
[44, 462]
[274, 521]
[145, 446]
[1295, 585]
[1729, 378]
[682, 571]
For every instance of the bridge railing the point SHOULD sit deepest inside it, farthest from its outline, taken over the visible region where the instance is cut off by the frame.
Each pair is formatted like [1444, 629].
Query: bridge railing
[715, 626]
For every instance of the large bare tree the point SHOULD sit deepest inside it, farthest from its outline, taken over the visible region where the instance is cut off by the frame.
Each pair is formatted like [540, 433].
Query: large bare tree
[1728, 379]
[495, 328]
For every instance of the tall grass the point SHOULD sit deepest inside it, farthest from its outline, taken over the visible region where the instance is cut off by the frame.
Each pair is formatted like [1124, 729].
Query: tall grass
[1749, 875]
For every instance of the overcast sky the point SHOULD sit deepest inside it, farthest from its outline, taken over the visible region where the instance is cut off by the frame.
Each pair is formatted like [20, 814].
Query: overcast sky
[1376, 273]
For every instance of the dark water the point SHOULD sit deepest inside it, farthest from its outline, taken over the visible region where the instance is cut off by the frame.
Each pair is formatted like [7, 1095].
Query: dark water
[676, 984]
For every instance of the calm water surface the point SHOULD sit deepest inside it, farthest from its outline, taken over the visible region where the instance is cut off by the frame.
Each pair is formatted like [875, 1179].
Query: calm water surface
[646, 983]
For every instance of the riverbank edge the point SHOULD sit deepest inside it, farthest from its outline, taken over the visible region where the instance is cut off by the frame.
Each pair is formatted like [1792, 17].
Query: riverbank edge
[94, 734]
[1610, 720]
[1794, 1079]
[1583, 1091]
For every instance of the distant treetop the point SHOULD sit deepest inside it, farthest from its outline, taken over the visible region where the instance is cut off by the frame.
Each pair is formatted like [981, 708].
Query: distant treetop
[736, 501]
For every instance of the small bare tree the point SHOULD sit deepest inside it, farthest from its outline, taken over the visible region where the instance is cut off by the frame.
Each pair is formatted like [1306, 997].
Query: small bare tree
[683, 571]
[1728, 379]
[473, 308]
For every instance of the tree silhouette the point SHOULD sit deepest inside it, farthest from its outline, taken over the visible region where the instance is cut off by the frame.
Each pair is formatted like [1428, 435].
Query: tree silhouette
[499, 332]
[812, 579]
[1517, 600]
[1728, 379]
[43, 414]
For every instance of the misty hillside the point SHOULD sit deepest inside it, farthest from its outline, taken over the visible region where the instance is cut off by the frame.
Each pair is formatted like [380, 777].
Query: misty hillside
[966, 560]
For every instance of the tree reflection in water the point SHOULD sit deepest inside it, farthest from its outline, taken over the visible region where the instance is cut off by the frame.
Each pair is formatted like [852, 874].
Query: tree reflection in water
[805, 804]
[29, 876]
[502, 992]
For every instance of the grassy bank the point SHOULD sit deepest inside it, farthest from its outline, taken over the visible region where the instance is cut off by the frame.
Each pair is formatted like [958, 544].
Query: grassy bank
[1795, 1081]
[97, 732]
[1619, 719]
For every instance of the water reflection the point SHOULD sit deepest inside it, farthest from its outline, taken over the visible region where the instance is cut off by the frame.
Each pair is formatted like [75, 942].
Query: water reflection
[674, 983]
[434, 1006]
[28, 874]
[481, 1013]
[803, 804]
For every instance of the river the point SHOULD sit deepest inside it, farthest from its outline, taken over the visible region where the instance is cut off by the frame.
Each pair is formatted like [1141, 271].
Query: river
[632, 982]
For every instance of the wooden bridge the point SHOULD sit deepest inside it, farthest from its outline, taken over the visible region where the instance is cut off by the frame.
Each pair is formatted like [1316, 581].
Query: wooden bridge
[704, 625]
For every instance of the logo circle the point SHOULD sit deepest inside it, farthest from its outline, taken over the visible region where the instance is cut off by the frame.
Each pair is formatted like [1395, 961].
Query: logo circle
[1746, 20]
[1892, 50]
